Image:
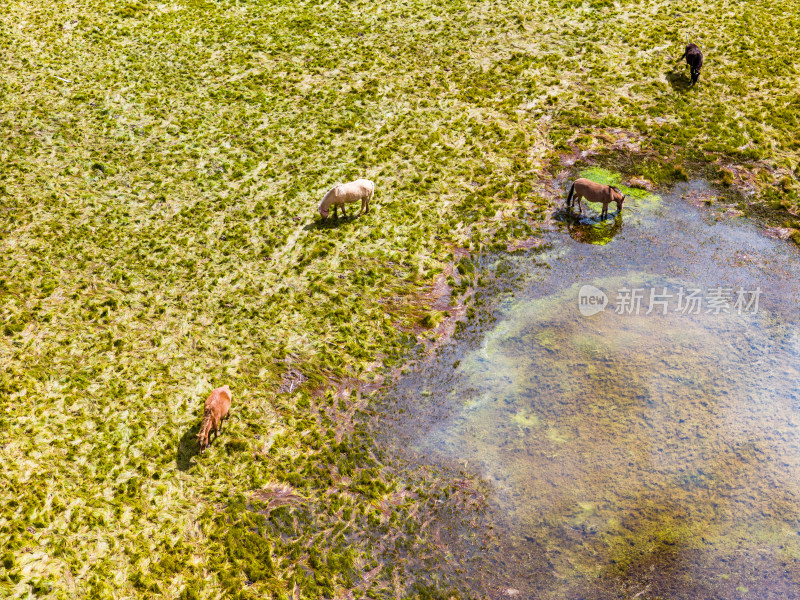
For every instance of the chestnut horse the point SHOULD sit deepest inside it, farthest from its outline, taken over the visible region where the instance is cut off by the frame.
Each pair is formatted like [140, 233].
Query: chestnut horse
[216, 409]
[595, 192]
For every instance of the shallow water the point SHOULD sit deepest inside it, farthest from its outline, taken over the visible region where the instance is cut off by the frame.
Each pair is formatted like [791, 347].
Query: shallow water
[652, 454]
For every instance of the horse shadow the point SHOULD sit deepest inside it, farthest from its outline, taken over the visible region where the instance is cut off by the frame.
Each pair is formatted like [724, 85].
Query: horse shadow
[679, 81]
[188, 448]
[330, 223]
[589, 230]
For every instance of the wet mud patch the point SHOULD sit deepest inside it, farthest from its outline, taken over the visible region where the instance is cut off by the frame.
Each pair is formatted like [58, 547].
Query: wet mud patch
[647, 450]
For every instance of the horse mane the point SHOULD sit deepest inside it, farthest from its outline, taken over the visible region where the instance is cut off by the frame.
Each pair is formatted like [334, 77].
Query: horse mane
[205, 426]
[325, 197]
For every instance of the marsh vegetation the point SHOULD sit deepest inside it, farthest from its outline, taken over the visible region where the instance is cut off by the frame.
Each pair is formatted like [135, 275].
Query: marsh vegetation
[160, 168]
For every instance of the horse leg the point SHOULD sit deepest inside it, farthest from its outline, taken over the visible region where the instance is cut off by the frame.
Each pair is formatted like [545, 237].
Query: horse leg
[604, 212]
[344, 214]
[363, 204]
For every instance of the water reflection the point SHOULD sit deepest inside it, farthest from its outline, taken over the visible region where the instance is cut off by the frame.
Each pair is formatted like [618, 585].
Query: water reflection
[590, 230]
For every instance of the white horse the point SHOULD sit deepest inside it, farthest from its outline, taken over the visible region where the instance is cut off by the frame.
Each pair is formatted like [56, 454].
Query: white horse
[338, 195]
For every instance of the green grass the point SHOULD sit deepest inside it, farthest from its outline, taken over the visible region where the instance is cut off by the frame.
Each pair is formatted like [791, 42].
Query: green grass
[159, 173]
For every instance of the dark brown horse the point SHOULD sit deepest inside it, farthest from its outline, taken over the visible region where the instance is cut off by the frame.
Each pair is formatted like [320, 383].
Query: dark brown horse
[694, 58]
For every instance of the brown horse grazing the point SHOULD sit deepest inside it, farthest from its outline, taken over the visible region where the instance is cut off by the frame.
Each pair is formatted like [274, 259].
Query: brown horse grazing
[694, 58]
[595, 192]
[216, 409]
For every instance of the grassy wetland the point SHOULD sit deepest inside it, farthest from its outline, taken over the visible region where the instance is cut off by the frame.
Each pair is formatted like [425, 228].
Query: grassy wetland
[160, 167]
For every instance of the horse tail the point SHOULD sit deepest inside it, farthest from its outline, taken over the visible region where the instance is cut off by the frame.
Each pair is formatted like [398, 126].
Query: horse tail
[569, 196]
